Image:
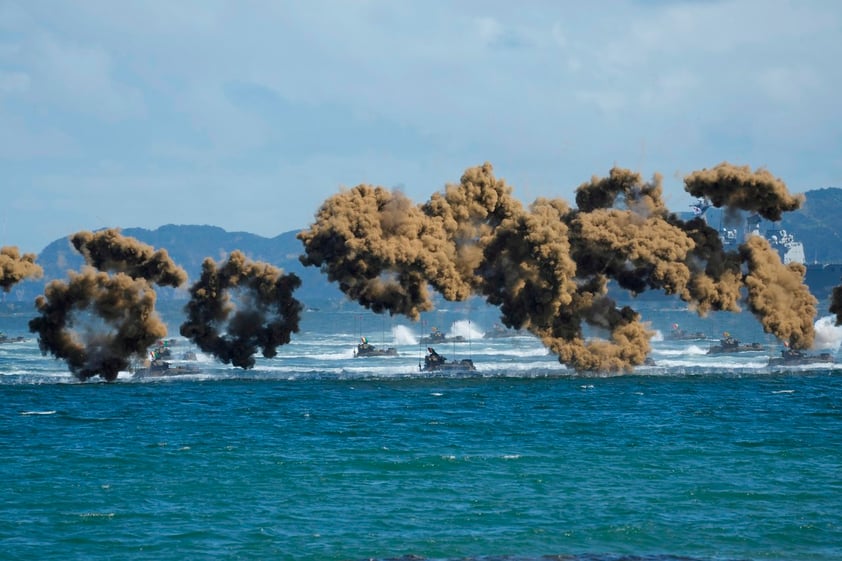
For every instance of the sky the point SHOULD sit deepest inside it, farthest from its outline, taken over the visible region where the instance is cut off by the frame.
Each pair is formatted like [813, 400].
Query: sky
[248, 114]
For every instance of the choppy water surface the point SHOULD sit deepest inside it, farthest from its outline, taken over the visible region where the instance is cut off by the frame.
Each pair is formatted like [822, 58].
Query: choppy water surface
[319, 455]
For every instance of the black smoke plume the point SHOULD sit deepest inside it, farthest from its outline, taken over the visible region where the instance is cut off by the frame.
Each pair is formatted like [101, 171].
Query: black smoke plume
[836, 304]
[264, 315]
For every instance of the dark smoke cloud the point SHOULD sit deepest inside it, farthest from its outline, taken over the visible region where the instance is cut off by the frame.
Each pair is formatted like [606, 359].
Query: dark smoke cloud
[381, 249]
[127, 323]
[836, 304]
[264, 316]
[15, 267]
[737, 187]
[715, 274]
[108, 250]
[384, 251]
[469, 214]
[98, 320]
[548, 267]
[643, 198]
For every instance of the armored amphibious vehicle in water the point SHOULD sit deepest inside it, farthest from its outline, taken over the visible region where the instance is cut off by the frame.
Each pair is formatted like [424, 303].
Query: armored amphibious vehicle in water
[434, 362]
[161, 369]
[794, 357]
[438, 336]
[729, 345]
[6, 339]
[366, 349]
[678, 334]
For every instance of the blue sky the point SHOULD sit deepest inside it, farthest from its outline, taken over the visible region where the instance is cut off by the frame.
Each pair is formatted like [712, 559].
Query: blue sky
[247, 115]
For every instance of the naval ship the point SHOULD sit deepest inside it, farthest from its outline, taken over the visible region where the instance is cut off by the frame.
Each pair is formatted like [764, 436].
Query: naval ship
[820, 277]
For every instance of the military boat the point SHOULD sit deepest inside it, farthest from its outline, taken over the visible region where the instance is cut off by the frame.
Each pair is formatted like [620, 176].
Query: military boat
[729, 345]
[158, 368]
[678, 334]
[795, 357]
[366, 349]
[437, 336]
[434, 362]
[6, 339]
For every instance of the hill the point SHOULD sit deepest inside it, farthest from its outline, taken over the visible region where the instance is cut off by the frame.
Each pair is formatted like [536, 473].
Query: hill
[816, 224]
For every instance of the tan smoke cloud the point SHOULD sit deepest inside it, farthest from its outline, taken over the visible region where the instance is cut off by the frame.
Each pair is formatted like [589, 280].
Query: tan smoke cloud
[737, 187]
[468, 213]
[527, 269]
[96, 320]
[548, 267]
[715, 274]
[380, 248]
[109, 250]
[118, 315]
[15, 267]
[263, 315]
[777, 295]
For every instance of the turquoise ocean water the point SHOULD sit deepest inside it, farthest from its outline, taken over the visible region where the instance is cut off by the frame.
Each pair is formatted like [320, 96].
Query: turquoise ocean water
[316, 454]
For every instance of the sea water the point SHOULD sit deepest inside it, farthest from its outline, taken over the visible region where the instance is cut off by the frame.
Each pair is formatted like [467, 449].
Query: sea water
[318, 455]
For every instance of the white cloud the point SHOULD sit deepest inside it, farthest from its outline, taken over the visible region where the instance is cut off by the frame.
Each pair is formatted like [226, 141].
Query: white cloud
[181, 92]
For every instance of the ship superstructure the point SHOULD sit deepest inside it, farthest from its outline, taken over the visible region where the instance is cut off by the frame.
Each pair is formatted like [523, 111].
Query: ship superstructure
[821, 278]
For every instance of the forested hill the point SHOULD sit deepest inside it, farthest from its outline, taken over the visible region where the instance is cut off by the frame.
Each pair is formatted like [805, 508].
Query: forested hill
[817, 224]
